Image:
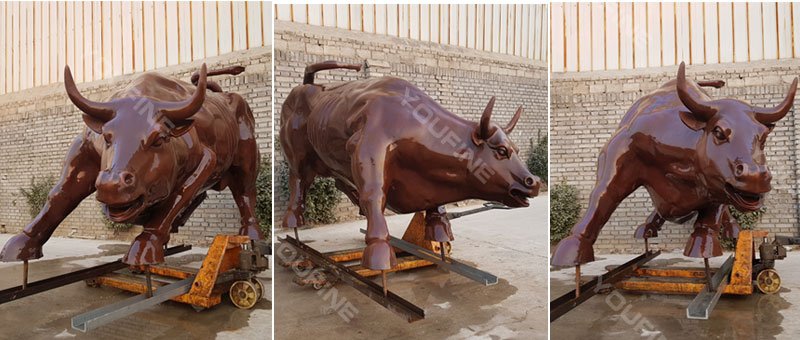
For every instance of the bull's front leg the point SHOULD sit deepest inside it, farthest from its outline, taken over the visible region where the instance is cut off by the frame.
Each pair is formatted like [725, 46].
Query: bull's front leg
[704, 241]
[368, 171]
[617, 177]
[148, 247]
[76, 183]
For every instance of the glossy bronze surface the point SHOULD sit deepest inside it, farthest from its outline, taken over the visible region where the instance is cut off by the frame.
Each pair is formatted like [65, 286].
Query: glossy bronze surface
[694, 155]
[388, 145]
[151, 151]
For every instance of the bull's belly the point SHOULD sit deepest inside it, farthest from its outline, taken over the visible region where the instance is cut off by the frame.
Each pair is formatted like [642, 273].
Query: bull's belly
[678, 208]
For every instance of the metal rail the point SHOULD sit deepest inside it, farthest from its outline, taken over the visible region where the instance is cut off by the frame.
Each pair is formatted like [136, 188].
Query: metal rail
[464, 270]
[101, 316]
[391, 301]
[570, 300]
[14, 293]
[486, 206]
[702, 305]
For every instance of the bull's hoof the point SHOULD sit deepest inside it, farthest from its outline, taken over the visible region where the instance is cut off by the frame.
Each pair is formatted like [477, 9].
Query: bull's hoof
[703, 244]
[20, 248]
[437, 228]
[253, 232]
[645, 230]
[292, 220]
[379, 255]
[730, 230]
[572, 251]
[146, 249]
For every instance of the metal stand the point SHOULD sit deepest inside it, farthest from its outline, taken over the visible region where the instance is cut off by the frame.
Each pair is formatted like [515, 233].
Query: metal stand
[36, 287]
[371, 289]
[25, 274]
[702, 305]
[572, 299]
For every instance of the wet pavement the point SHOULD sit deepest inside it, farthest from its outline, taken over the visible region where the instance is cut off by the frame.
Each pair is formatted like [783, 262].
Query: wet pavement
[510, 244]
[47, 315]
[621, 315]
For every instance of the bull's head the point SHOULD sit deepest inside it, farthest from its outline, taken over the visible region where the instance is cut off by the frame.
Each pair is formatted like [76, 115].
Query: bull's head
[508, 180]
[142, 146]
[731, 150]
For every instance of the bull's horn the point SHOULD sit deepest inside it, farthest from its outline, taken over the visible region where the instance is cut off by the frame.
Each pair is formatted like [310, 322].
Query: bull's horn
[182, 110]
[486, 119]
[701, 110]
[100, 111]
[772, 115]
[514, 120]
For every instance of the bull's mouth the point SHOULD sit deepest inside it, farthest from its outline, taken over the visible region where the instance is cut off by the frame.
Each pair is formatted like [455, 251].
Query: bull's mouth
[744, 200]
[122, 212]
[519, 198]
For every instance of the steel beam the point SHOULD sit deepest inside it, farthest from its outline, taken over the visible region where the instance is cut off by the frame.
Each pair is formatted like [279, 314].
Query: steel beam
[570, 300]
[13, 293]
[390, 300]
[702, 305]
[464, 270]
[101, 316]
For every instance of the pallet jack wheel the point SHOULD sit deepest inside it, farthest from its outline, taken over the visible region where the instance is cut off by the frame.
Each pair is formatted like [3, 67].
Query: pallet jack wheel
[259, 288]
[768, 281]
[244, 294]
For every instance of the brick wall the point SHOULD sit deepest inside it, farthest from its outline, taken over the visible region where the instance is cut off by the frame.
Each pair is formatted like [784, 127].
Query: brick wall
[38, 125]
[587, 107]
[461, 79]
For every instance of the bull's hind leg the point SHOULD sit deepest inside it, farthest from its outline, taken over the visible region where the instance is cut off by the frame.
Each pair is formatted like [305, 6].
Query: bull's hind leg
[368, 173]
[76, 183]
[649, 228]
[243, 189]
[437, 226]
[614, 183]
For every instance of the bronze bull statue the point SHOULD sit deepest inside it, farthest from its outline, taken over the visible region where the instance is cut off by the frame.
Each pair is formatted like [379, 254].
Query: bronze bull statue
[694, 155]
[389, 145]
[151, 152]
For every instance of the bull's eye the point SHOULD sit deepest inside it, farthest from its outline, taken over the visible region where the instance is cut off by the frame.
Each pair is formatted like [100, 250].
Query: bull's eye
[502, 151]
[719, 134]
[107, 138]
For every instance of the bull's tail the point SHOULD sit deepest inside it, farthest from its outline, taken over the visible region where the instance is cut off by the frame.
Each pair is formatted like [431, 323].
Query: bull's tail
[213, 86]
[712, 83]
[312, 69]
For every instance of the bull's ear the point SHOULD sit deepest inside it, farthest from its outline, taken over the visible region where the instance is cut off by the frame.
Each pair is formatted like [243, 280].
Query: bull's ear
[181, 127]
[692, 121]
[93, 123]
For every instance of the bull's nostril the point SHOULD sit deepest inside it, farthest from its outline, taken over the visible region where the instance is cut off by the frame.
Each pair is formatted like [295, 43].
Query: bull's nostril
[127, 178]
[529, 182]
[739, 169]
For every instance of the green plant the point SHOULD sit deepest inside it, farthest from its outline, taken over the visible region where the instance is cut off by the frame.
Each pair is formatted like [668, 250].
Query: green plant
[321, 198]
[264, 197]
[747, 221]
[116, 227]
[36, 194]
[564, 210]
[537, 157]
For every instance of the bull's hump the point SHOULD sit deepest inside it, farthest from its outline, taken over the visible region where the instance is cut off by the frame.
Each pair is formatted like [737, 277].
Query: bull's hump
[156, 86]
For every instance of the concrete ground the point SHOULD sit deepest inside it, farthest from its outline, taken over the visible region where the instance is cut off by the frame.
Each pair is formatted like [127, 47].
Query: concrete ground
[511, 244]
[621, 315]
[47, 315]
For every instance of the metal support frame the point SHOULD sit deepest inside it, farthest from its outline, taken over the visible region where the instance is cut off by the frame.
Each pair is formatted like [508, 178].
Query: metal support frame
[98, 317]
[452, 265]
[390, 300]
[702, 305]
[575, 297]
[14, 293]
